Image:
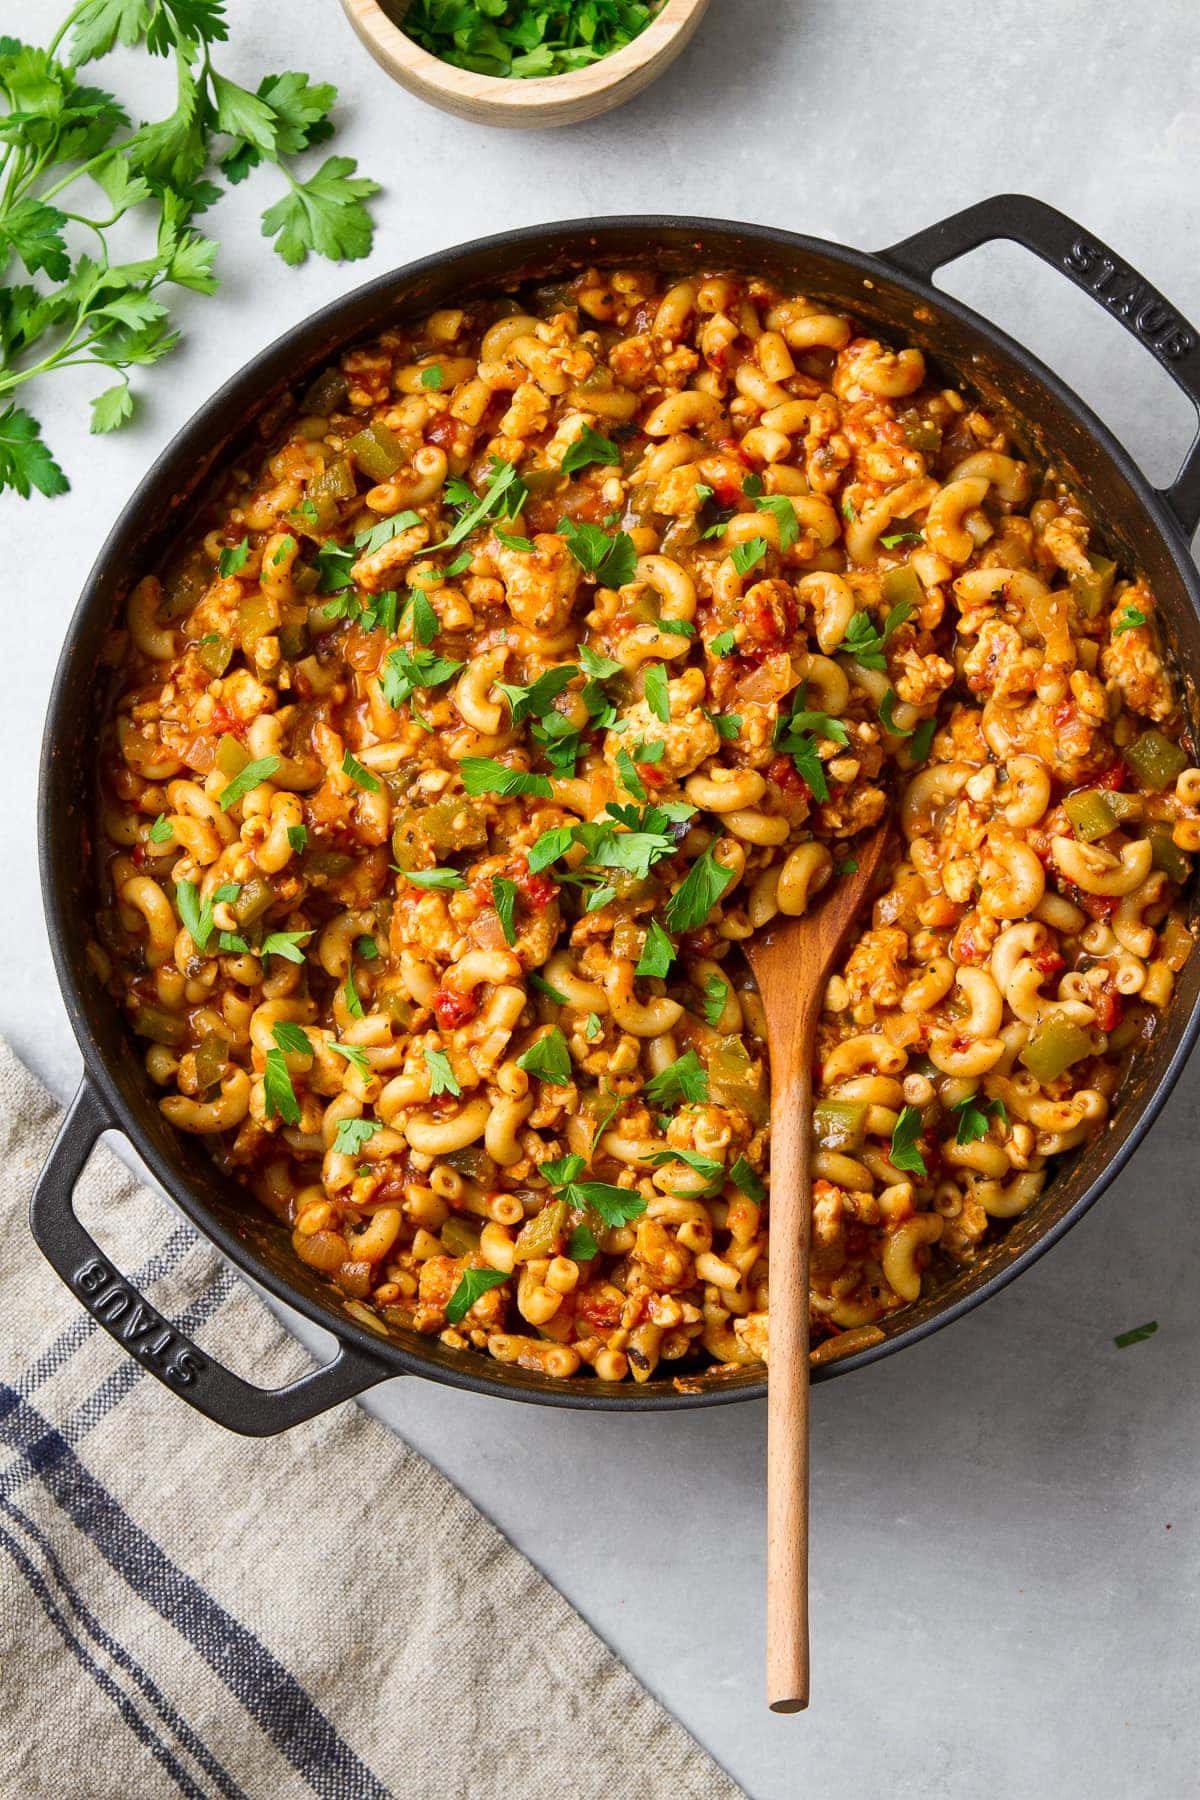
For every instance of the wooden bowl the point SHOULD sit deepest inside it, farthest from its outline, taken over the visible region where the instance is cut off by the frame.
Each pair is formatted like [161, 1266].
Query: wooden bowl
[541, 100]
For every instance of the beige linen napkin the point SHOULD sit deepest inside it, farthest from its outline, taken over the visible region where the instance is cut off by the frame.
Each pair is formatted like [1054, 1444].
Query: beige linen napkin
[185, 1611]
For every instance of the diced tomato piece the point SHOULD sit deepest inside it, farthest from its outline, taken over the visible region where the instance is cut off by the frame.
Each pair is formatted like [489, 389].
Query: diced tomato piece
[1049, 962]
[600, 1307]
[453, 1009]
[1110, 1010]
[1114, 778]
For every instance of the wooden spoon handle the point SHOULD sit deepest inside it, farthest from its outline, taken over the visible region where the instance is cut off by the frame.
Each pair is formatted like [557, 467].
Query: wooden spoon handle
[787, 1394]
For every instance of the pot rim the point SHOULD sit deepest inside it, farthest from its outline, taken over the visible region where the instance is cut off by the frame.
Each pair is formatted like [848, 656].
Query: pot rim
[314, 332]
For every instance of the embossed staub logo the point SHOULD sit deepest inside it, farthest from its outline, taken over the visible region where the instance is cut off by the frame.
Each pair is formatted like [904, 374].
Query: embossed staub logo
[1126, 294]
[137, 1325]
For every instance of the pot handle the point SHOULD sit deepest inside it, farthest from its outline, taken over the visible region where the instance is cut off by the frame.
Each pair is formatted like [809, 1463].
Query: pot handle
[1098, 271]
[159, 1346]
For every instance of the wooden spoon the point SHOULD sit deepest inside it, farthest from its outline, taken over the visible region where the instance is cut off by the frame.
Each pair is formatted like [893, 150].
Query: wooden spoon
[791, 961]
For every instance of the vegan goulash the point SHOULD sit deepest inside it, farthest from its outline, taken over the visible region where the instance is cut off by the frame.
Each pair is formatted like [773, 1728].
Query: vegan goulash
[556, 646]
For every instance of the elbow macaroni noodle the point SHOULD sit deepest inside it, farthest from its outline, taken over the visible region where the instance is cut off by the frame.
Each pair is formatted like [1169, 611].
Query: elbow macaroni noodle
[789, 582]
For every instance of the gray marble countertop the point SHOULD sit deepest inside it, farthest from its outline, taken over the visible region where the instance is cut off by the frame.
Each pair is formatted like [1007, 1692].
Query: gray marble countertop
[1005, 1566]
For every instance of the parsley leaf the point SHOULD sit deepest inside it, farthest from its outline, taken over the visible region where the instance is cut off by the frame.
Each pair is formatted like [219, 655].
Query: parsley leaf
[1138, 1335]
[278, 1093]
[355, 1056]
[973, 1118]
[612, 560]
[698, 893]
[484, 775]
[723, 644]
[297, 837]
[350, 994]
[472, 1287]
[504, 899]
[905, 1151]
[324, 214]
[552, 993]
[503, 497]
[548, 1058]
[784, 514]
[536, 700]
[362, 778]
[442, 1079]
[716, 999]
[293, 1040]
[246, 780]
[744, 1177]
[922, 740]
[1129, 620]
[658, 953]
[433, 376]
[865, 642]
[404, 671]
[887, 719]
[162, 831]
[197, 919]
[233, 561]
[285, 944]
[376, 536]
[352, 1134]
[582, 1245]
[745, 556]
[657, 697]
[589, 447]
[513, 541]
[684, 1082]
[433, 878]
[25, 462]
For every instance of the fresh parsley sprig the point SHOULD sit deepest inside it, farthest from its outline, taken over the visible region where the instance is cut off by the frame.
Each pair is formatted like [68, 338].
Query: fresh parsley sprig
[85, 307]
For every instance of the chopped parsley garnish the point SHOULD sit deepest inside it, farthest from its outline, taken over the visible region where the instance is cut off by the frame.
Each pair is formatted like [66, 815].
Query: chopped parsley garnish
[726, 725]
[675, 627]
[716, 999]
[367, 948]
[548, 1058]
[355, 1056]
[293, 1040]
[973, 1118]
[596, 666]
[162, 831]
[233, 561]
[544, 987]
[723, 644]
[745, 556]
[784, 514]
[350, 994]
[752, 486]
[698, 893]
[704, 492]
[425, 622]
[922, 740]
[286, 944]
[278, 1092]
[631, 781]
[433, 376]
[512, 540]
[865, 642]
[902, 537]
[334, 563]
[614, 1205]
[905, 1152]
[744, 1177]
[1138, 1335]
[798, 736]
[1129, 620]
[283, 550]
[849, 867]
[352, 1134]
[362, 778]
[246, 780]
[472, 1287]
[593, 1027]
[504, 899]
[658, 953]
[887, 708]
[612, 560]
[711, 1171]
[404, 671]
[683, 1083]
[197, 918]
[536, 700]
[582, 1245]
[503, 498]
[442, 1079]
[588, 448]
[484, 775]
[433, 878]
[657, 696]
[297, 837]
[376, 536]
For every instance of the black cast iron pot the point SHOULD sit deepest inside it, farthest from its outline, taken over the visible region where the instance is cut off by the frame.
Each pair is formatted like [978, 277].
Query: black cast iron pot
[890, 291]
